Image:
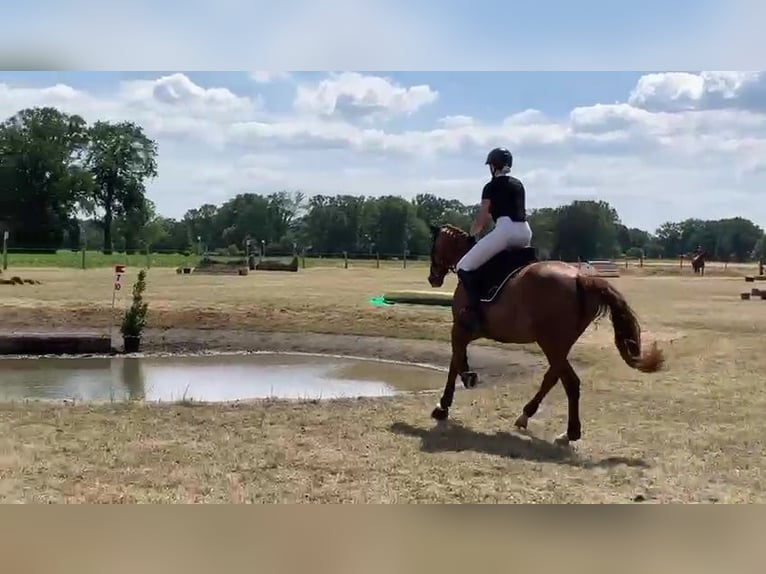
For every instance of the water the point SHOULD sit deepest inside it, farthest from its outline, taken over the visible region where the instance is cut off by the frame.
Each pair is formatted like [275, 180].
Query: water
[209, 378]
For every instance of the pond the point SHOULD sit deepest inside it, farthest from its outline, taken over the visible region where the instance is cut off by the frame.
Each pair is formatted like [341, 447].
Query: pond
[210, 378]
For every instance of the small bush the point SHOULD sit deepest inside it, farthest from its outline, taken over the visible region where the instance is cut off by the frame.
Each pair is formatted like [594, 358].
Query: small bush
[134, 319]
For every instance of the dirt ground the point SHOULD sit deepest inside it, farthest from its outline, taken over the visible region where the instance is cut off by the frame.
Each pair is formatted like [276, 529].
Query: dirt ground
[694, 432]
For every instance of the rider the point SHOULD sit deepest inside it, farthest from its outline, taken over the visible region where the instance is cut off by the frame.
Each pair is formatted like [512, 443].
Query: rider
[503, 200]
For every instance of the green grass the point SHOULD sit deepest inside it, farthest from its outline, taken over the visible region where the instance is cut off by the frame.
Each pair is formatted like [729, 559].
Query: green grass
[96, 259]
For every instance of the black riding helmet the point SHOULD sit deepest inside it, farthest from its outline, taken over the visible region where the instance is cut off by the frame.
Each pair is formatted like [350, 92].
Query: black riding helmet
[499, 158]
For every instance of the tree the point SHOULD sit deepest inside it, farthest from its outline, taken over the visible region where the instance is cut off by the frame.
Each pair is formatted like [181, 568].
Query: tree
[204, 223]
[283, 209]
[736, 238]
[544, 223]
[42, 178]
[669, 238]
[759, 253]
[120, 157]
[586, 229]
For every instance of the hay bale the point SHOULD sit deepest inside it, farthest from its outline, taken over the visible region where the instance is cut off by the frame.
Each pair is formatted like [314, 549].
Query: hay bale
[745, 296]
[763, 295]
[244, 271]
[755, 292]
[749, 279]
[439, 298]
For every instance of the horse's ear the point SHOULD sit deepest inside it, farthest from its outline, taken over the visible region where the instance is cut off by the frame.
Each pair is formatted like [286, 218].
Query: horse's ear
[434, 230]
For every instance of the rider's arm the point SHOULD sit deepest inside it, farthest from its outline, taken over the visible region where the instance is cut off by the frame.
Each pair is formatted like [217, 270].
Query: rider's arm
[482, 218]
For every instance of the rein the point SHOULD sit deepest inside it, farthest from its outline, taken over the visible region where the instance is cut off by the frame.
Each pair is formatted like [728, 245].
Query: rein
[471, 242]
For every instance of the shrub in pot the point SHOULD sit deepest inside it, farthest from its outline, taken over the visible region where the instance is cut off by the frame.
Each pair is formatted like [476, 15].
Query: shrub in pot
[134, 319]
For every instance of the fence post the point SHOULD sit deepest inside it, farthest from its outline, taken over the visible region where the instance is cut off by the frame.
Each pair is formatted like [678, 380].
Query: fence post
[5, 249]
[626, 262]
[148, 258]
[345, 260]
[82, 257]
[377, 260]
[404, 259]
[641, 261]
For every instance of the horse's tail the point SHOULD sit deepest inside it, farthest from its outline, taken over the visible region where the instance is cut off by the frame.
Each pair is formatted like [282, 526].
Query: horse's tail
[627, 330]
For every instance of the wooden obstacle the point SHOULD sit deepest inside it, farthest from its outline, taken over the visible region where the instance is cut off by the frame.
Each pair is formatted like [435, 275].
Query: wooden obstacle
[438, 298]
[753, 294]
[753, 278]
[16, 343]
[19, 281]
[210, 266]
[275, 265]
[602, 268]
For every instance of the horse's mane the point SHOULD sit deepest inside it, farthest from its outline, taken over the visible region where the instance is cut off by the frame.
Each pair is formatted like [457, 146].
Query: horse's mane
[453, 230]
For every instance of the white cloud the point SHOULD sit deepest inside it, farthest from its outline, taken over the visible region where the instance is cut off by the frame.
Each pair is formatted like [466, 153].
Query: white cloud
[456, 121]
[677, 91]
[177, 91]
[652, 157]
[351, 95]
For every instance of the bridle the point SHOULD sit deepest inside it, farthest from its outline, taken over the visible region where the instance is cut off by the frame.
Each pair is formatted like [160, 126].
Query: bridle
[453, 267]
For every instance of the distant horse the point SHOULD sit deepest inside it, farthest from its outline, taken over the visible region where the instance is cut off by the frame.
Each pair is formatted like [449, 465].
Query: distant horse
[530, 301]
[698, 263]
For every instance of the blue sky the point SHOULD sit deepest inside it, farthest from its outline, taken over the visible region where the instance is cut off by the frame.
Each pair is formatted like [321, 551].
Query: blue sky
[387, 34]
[657, 145]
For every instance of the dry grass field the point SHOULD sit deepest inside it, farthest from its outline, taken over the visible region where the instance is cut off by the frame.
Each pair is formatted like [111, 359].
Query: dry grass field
[694, 432]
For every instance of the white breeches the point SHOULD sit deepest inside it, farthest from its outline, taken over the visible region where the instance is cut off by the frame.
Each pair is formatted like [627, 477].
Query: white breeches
[507, 233]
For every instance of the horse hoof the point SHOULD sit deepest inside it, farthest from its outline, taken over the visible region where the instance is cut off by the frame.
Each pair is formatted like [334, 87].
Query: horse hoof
[561, 440]
[440, 414]
[521, 422]
[470, 379]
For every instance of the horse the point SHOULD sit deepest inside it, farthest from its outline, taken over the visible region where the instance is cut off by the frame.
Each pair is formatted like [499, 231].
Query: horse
[525, 300]
[698, 263]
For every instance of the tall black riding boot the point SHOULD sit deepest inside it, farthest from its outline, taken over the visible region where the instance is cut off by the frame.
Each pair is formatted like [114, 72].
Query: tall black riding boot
[470, 316]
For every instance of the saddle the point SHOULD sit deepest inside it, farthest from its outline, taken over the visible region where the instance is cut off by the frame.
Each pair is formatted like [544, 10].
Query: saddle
[493, 276]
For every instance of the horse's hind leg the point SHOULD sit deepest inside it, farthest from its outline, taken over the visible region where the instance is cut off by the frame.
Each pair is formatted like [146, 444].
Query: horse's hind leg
[571, 383]
[470, 378]
[556, 353]
[550, 378]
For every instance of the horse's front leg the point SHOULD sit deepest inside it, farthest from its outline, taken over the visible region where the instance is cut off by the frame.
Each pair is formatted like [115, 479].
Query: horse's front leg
[470, 378]
[457, 361]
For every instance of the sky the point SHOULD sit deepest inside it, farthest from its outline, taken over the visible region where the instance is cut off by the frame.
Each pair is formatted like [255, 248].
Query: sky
[658, 146]
[386, 34]
[665, 143]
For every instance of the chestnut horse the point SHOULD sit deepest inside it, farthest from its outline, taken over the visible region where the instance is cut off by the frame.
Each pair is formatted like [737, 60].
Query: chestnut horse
[524, 301]
[698, 263]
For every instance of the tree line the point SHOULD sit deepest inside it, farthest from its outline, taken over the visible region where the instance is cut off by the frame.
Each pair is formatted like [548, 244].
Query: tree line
[66, 184]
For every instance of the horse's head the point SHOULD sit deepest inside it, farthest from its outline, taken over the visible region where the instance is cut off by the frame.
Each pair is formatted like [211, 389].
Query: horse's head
[448, 245]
